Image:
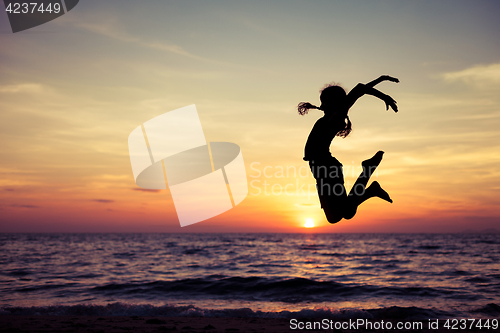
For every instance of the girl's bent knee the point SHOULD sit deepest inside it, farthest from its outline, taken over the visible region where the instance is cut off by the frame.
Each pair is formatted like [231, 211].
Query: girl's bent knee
[349, 213]
[333, 217]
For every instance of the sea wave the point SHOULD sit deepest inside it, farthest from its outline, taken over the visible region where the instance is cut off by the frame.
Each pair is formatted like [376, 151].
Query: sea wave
[292, 290]
[267, 272]
[168, 310]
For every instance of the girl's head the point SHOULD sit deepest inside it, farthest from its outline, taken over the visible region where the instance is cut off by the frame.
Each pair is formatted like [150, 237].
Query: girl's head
[333, 98]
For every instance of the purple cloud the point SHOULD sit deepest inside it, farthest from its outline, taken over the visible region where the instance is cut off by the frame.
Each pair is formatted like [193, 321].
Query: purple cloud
[24, 206]
[145, 190]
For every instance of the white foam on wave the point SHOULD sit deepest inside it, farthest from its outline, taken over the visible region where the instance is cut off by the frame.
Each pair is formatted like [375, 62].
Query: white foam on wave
[168, 310]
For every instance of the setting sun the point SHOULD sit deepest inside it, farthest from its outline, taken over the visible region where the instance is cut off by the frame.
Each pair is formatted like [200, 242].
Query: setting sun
[309, 223]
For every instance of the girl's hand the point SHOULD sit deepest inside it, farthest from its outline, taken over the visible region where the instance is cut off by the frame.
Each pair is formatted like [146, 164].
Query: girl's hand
[390, 102]
[390, 78]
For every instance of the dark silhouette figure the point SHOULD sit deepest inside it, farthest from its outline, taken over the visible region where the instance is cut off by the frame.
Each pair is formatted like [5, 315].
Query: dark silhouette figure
[327, 170]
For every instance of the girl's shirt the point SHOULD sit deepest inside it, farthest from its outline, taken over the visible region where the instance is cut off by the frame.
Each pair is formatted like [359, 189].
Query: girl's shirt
[321, 136]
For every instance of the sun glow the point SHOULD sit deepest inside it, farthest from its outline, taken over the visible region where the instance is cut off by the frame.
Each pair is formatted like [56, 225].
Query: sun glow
[309, 223]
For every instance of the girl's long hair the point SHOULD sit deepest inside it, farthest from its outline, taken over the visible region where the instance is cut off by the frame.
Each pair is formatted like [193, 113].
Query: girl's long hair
[304, 107]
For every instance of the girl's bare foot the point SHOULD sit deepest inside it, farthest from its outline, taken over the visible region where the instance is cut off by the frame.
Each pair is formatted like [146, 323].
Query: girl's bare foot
[377, 191]
[371, 164]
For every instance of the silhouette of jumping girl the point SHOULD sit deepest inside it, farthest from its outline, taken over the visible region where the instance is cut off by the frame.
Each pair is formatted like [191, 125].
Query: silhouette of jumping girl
[327, 170]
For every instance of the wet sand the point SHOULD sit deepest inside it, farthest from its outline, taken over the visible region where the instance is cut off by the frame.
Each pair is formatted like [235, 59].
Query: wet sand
[111, 324]
[134, 324]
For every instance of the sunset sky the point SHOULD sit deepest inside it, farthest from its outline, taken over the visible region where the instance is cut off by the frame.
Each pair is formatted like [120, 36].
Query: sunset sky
[73, 89]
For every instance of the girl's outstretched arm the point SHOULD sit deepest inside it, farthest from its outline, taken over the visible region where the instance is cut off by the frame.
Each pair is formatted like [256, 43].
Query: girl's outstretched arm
[362, 89]
[382, 79]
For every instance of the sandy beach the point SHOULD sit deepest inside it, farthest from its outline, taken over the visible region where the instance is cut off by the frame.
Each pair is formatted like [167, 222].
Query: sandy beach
[112, 324]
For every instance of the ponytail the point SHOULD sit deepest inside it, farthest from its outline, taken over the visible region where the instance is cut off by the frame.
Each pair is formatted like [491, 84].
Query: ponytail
[304, 107]
[347, 129]
[328, 93]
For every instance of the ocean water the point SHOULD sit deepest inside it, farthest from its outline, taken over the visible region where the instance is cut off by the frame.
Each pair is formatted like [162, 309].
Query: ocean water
[268, 275]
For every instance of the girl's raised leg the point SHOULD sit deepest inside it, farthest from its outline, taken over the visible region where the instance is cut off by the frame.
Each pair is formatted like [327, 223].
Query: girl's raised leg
[359, 192]
[369, 167]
